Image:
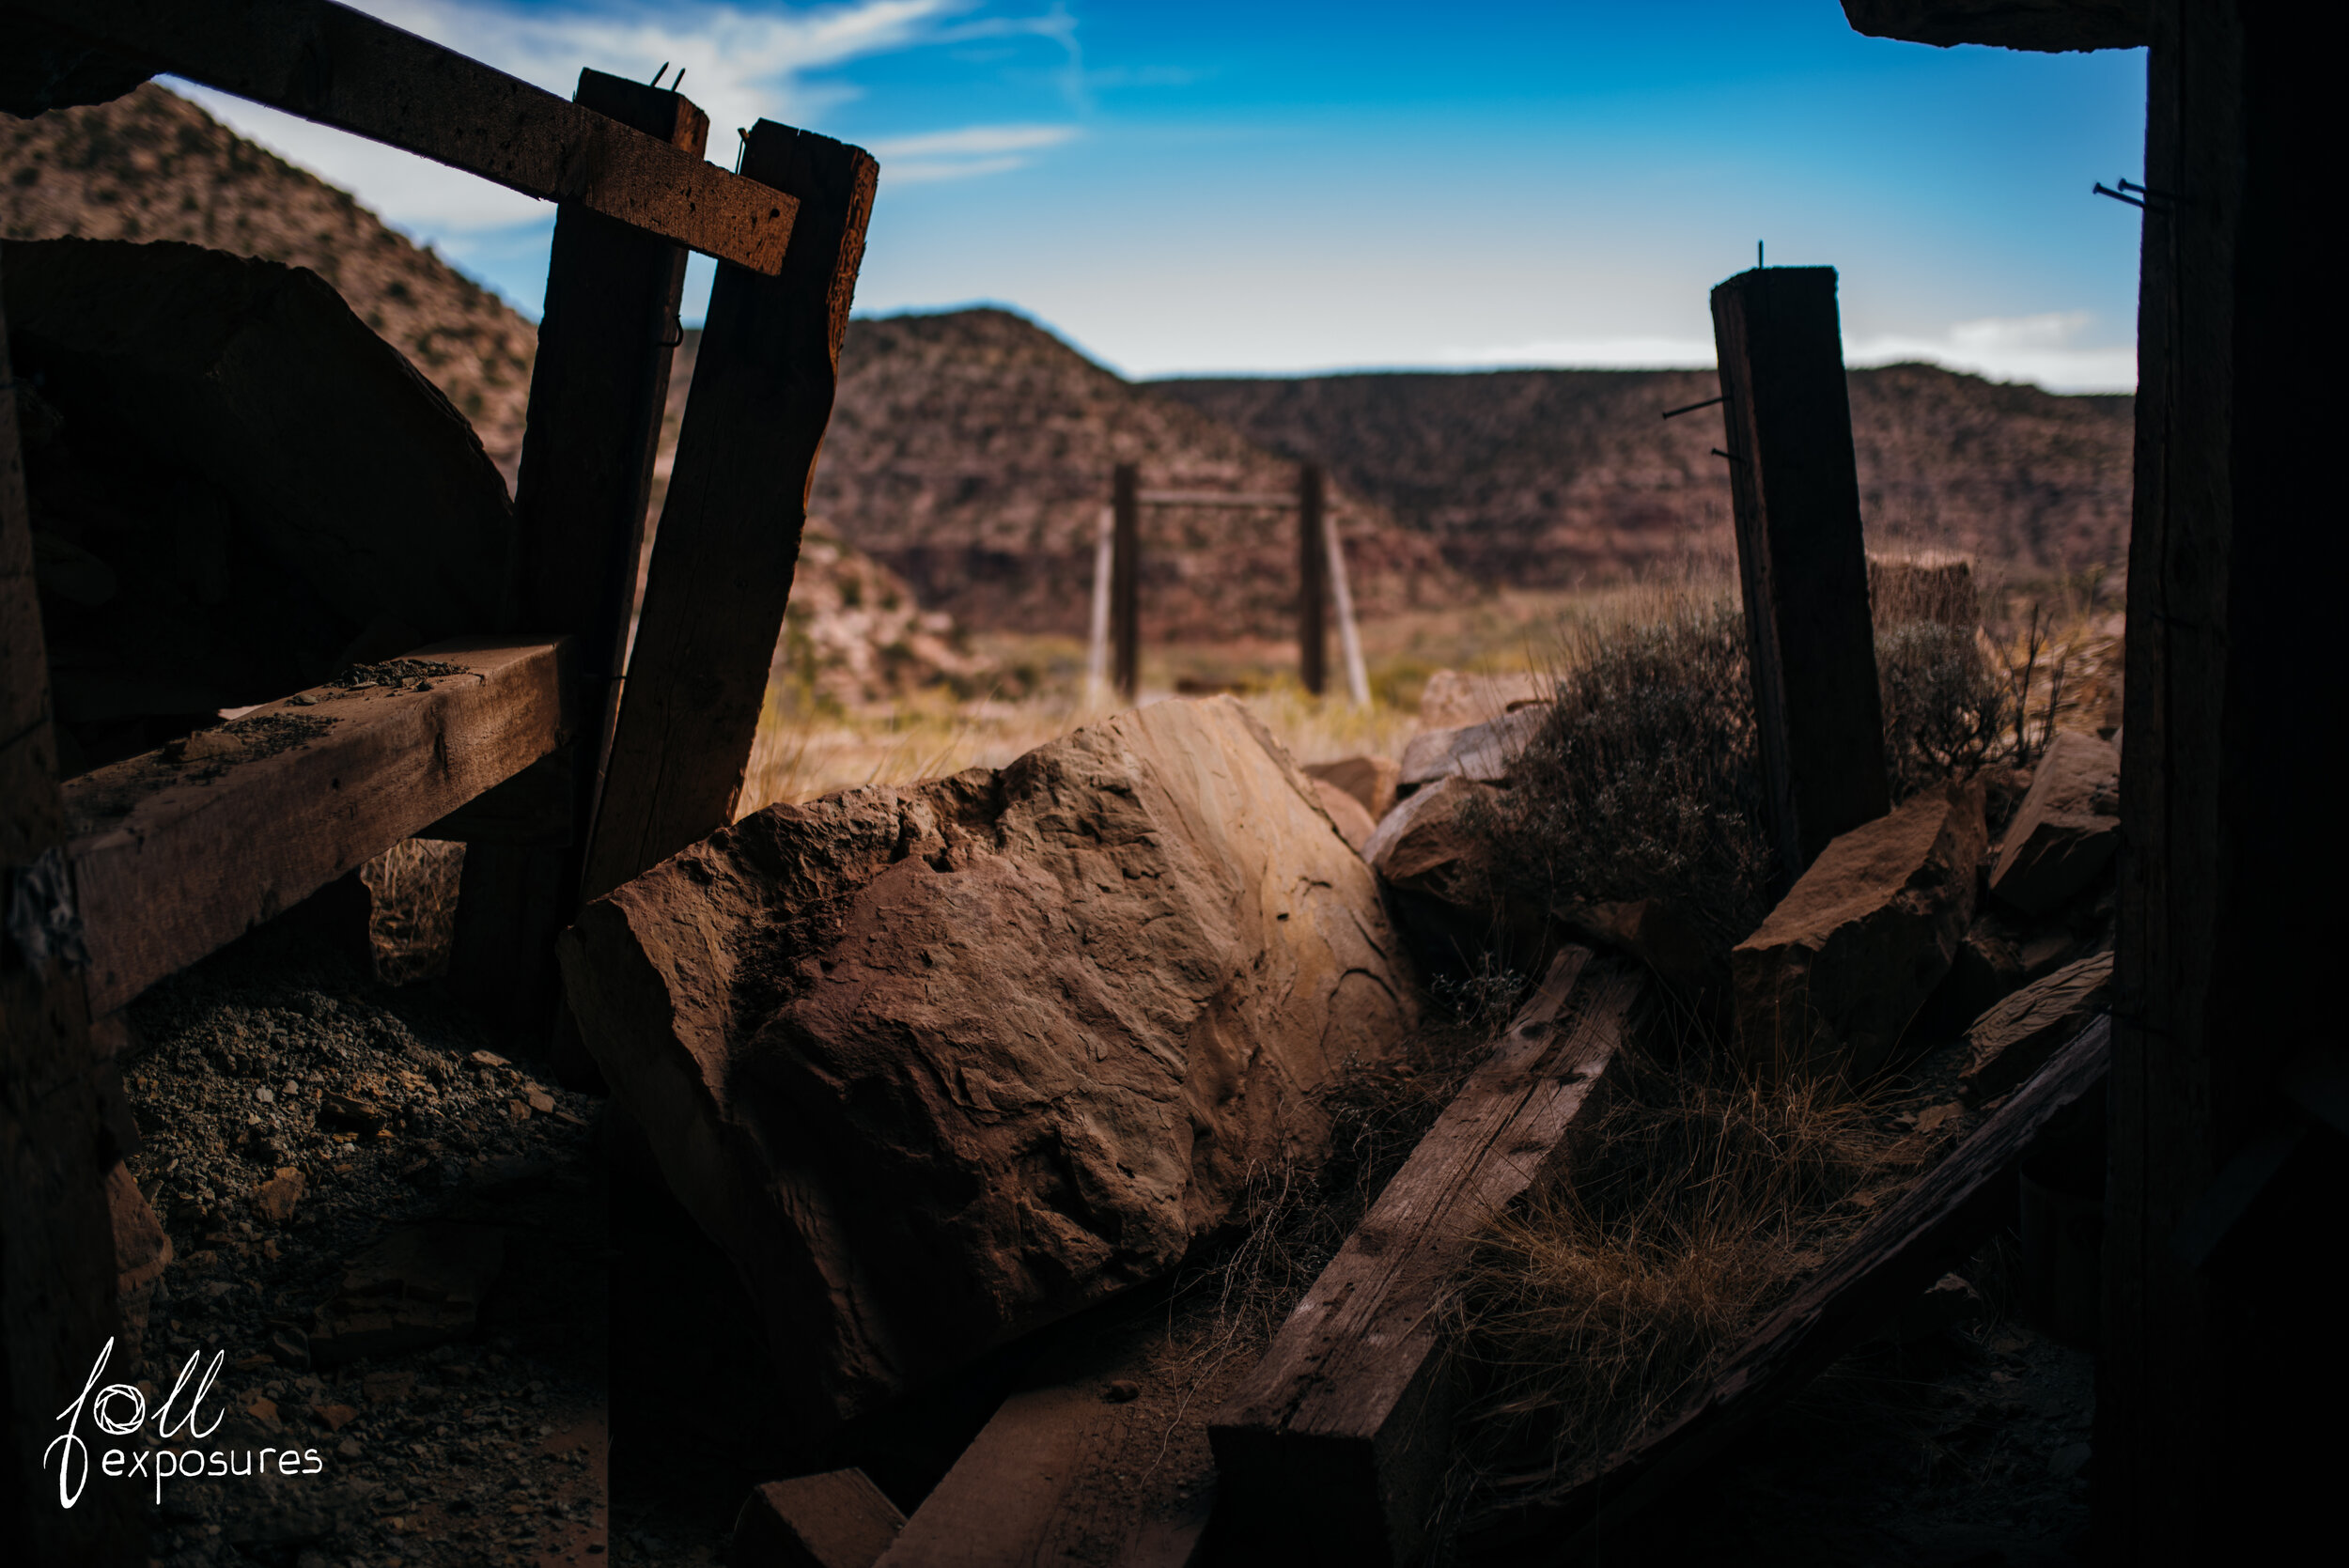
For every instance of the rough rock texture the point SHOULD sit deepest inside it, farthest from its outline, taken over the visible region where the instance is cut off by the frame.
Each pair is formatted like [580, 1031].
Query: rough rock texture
[1835, 973]
[142, 1252]
[1658, 932]
[2014, 1040]
[1369, 779]
[838, 1519]
[2068, 827]
[1986, 967]
[1451, 699]
[1345, 813]
[938, 1064]
[1427, 846]
[420, 1287]
[1484, 752]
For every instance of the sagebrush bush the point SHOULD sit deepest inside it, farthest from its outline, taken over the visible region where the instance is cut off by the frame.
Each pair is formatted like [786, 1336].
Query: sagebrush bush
[1644, 782]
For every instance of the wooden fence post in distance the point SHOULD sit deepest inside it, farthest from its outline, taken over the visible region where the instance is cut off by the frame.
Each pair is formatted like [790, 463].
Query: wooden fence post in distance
[1313, 570]
[1126, 577]
[1794, 486]
[596, 395]
[729, 535]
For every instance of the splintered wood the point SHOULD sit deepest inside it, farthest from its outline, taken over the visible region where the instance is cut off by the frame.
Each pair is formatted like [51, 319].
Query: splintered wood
[178, 852]
[1337, 1444]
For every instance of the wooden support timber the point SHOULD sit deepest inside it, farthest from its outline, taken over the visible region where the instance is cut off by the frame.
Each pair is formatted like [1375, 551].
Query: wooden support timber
[1313, 592]
[729, 535]
[342, 67]
[1334, 1449]
[178, 852]
[596, 394]
[57, 1276]
[1933, 1225]
[1794, 489]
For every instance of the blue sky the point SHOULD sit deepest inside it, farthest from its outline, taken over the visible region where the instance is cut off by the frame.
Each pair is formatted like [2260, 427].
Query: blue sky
[1208, 186]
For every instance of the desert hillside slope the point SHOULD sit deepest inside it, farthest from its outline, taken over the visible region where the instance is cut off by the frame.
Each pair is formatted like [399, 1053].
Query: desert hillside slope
[151, 166]
[1548, 477]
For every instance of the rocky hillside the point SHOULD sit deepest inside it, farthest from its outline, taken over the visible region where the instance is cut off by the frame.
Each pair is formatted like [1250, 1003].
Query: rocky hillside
[151, 166]
[971, 451]
[1557, 476]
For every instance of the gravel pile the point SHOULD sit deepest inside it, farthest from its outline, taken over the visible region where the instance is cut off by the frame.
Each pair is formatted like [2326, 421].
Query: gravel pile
[302, 1121]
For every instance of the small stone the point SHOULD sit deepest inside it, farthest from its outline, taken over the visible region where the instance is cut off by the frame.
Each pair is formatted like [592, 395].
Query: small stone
[274, 1200]
[265, 1097]
[540, 1101]
[2069, 1461]
[1123, 1390]
[348, 1448]
[384, 1387]
[488, 1060]
[262, 1409]
[334, 1417]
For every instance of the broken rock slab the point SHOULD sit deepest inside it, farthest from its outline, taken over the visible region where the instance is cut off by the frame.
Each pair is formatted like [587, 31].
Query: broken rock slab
[1485, 753]
[2067, 828]
[940, 1064]
[419, 1287]
[1834, 975]
[2016, 1038]
[1369, 779]
[838, 1519]
[1451, 699]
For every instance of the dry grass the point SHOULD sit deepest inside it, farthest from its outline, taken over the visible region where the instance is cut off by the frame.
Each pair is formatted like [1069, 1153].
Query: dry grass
[412, 917]
[1693, 1207]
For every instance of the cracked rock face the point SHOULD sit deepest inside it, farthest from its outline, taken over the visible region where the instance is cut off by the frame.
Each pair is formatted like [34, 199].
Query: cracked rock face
[938, 1064]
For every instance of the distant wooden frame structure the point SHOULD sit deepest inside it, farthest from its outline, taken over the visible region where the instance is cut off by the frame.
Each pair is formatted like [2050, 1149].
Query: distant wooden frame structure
[1321, 577]
[569, 765]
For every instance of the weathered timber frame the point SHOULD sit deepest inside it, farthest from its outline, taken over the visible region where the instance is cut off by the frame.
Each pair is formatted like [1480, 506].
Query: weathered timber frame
[1321, 577]
[116, 879]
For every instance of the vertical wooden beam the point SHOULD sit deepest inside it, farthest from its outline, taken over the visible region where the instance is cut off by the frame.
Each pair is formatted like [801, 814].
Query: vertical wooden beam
[1796, 489]
[1313, 594]
[1126, 577]
[729, 535]
[596, 394]
[57, 1239]
[2228, 951]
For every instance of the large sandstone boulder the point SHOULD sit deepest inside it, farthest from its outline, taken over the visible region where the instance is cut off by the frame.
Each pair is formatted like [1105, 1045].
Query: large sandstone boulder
[1835, 973]
[2067, 828]
[938, 1064]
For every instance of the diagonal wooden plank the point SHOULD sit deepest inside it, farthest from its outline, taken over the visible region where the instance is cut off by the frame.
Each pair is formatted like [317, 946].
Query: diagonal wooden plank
[178, 852]
[728, 542]
[1337, 1443]
[345, 68]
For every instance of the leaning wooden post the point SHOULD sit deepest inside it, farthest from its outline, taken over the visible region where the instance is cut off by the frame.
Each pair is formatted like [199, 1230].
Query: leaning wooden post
[58, 1280]
[1126, 577]
[1312, 571]
[729, 535]
[597, 391]
[1795, 488]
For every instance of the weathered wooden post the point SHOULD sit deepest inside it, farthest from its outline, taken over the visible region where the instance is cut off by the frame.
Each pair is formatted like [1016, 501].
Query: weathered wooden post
[596, 394]
[57, 1307]
[1795, 488]
[1313, 570]
[1126, 577]
[729, 536]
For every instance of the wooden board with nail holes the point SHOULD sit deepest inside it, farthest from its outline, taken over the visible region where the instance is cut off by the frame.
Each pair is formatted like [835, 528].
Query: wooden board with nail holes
[1338, 1442]
[342, 67]
[174, 857]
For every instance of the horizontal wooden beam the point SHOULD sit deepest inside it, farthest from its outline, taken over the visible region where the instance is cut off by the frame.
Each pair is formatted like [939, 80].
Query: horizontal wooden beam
[1217, 498]
[177, 853]
[1335, 1446]
[1931, 1226]
[342, 67]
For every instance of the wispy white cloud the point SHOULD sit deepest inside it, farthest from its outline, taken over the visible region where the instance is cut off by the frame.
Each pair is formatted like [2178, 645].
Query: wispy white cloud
[2045, 348]
[964, 154]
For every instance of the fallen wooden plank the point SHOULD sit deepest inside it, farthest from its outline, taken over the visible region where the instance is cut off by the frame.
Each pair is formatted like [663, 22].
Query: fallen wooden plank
[340, 67]
[1937, 1222]
[1334, 1449]
[838, 1519]
[180, 851]
[729, 536]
